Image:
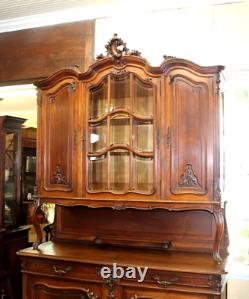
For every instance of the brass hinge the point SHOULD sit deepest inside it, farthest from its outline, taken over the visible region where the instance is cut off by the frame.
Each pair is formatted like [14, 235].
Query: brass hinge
[73, 86]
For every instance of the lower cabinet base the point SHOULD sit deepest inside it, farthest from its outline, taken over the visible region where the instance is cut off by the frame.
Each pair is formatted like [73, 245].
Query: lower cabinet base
[69, 271]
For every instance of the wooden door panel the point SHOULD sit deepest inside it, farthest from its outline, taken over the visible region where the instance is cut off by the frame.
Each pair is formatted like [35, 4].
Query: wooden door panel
[48, 288]
[42, 291]
[58, 138]
[191, 139]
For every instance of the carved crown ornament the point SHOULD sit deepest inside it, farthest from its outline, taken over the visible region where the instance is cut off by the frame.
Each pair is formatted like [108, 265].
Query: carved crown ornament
[116, 48]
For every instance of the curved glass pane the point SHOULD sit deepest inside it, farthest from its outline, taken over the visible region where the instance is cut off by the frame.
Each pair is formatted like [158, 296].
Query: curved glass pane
[97, 170]
[97, 136]
[143, 174]
[120, 129]
[143, 135]
[98, 100]
[119, 170]
[120, 92]
[143, 98]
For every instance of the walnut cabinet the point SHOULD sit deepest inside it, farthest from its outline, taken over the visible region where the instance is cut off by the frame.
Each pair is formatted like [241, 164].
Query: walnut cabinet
[127, 132]
[129, 153]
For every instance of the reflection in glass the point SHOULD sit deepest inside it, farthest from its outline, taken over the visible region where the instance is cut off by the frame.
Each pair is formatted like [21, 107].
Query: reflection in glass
[143, 135]
[120, 92]
[143, 98]
[9, 177]
[97, 178]
[143, 174]
[97, 136]
[120, 129]
[98, 100]
[119, 170]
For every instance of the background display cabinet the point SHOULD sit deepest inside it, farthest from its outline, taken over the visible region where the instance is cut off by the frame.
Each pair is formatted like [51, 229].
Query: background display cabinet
[129, 153]
[14, 237]
[10, 130]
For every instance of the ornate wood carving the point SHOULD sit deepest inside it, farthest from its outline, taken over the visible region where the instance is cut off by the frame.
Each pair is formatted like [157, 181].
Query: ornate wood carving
[167, 57]
[217, 83]
[110, 282]
[59, 177]
[116, 48]
[36, 205]
[217, 194]
[219, 219]
[188, 178]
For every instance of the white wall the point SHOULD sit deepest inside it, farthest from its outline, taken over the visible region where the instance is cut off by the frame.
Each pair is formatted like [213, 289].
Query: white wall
[208, 34]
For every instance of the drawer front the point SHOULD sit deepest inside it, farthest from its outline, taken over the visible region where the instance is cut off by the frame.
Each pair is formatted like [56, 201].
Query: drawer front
[174, 280]
[166, 279]
[62, 269]
[133, 293]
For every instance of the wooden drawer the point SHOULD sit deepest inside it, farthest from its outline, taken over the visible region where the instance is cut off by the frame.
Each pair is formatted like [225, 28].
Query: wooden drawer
[168, 279]
[175, 280]
[140, 293]
[62, 269]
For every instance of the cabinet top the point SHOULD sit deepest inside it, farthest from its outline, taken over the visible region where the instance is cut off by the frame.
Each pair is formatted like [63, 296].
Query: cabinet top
[8, 121]
[119, 57]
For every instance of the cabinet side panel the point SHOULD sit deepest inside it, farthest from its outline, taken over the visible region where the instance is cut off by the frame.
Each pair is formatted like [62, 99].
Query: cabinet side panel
[58, 140]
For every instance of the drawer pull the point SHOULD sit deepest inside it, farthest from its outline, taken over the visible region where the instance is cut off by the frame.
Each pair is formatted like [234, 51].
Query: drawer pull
[61, 272]
[165, 283]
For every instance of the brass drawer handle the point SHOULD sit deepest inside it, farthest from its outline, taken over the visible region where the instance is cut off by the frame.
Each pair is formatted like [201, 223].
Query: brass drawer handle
[61, 272]
[165, 283]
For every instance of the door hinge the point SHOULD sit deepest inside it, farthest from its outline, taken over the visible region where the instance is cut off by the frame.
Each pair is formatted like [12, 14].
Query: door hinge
[73, 86]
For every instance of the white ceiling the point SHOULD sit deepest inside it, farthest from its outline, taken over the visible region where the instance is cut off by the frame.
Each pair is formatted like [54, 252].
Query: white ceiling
[20, 14]
[10, 9]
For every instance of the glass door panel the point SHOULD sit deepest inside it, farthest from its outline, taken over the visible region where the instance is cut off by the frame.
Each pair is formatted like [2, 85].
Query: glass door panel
[143, 135]
[143, 174]
[10, 177]
[120, 129]
[97, 173]
[121, 126]
[98, 100]
[143, 98]
[119, 170]
[97, 133]
[120, 92]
